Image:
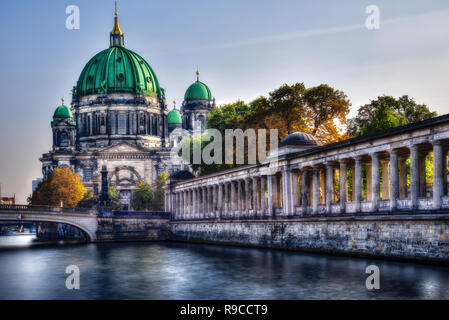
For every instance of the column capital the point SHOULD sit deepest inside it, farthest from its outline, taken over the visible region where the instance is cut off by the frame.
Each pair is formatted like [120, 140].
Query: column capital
[393, 150]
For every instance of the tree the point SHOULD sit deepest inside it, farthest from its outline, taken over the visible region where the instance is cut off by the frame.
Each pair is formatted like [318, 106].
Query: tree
[387, 112]
[320, 110]
[114, 196]
[159, 194]
[286, 108]
[326, 112]
[142, 197]
[62, 186]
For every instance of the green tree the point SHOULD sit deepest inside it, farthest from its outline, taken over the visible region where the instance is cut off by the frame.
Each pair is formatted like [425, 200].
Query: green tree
[142, 197]
[114, 196]
[159, 194]
[387, 112]
[62, 186]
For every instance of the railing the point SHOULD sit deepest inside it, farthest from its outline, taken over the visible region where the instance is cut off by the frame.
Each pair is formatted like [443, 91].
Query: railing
[21, 208]
[366, 210]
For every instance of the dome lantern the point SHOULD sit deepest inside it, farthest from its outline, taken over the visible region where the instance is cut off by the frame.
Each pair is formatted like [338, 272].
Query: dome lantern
[117, 38]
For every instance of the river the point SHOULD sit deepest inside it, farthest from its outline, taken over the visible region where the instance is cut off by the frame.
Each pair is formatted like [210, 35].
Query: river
[194, 271]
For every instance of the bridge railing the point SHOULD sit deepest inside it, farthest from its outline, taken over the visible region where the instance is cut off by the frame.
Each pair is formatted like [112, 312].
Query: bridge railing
[21, 208]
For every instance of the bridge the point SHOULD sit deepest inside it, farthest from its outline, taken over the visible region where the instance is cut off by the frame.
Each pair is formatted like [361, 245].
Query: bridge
[118, 226]
[83, 219]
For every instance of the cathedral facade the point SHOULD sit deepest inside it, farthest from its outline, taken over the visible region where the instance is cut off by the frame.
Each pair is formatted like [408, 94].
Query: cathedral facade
[119, 118]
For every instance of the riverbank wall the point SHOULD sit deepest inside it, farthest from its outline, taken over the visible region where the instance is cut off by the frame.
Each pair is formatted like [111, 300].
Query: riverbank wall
[133, 226]
[423, 237]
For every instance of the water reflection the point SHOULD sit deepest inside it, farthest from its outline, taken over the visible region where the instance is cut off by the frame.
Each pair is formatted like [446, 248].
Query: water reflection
[189, 271]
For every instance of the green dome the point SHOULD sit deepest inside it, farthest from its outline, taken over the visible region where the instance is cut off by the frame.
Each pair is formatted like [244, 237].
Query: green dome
[174, 117]
[62, 112]
[118, 70]
[198, 91]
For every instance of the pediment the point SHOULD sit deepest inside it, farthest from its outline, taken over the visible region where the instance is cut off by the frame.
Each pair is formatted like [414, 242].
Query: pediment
[122, 147]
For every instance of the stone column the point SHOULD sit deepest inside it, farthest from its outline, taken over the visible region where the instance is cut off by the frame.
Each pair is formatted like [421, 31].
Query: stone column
[422, 174]
[394, 179]
[385, 180]
[209, 202]
[181, 205]
[239, 197]
[232, 203]
[329, 187]
[343, 185]
[286, 191]
[179, 210]
[203, 202]
[275, 193]
[294, 194]
[402, 167]
[316, 189]
[353, 183]
[304, 190]
[194, 203]
[187, 204]
[375, 181]
[214, 201]
[226, 199]
[358, 184]
[247, 197]
[184, 200]
[191, 212]
[220, 200]
[263, 191]
[444, 168]
[369, 176]
[255, 196]
[438, 189]
[414, 176]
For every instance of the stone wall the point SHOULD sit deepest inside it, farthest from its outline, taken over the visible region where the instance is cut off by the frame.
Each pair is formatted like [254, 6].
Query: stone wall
[132, 228]
[423, 237]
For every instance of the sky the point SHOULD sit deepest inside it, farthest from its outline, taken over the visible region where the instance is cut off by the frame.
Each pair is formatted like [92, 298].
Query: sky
[243, 49]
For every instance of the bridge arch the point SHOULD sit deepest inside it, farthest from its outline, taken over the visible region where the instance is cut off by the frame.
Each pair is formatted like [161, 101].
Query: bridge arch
[85, 222]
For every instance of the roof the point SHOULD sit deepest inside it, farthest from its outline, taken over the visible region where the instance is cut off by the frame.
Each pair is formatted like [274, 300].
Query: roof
[198, 91]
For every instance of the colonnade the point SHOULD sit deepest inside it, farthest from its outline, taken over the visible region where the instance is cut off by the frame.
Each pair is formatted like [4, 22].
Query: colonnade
[385, 180]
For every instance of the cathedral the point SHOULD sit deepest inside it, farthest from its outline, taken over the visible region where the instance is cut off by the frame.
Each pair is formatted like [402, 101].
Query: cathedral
[119, 118]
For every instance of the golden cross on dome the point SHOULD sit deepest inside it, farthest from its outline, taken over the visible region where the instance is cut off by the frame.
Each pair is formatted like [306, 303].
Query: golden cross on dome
[197, 74]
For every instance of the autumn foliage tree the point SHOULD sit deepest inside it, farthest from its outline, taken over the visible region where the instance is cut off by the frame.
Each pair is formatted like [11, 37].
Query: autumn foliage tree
[320, 110]
[62, 186]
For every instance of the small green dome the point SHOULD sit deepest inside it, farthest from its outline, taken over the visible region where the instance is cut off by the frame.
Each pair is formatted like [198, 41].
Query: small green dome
[198, 91]
[174, 117]
[118, 70]
[62, 112]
